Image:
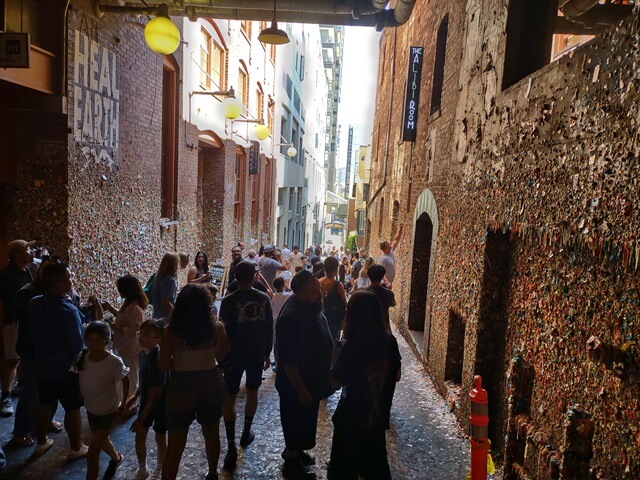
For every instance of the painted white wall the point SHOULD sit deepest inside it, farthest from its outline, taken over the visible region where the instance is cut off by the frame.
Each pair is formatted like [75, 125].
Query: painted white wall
[206, 111]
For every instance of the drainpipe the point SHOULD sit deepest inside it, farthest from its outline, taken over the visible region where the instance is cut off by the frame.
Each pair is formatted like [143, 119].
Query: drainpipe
[386, 153]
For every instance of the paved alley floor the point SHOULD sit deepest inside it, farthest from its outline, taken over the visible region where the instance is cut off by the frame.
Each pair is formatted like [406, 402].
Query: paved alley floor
[424, 443]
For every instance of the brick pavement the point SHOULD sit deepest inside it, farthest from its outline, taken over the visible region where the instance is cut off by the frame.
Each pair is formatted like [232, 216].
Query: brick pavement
[424, 443]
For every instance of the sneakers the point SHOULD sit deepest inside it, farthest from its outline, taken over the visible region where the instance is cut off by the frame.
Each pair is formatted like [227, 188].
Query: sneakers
[247, 438]
[110, 472]
[77, 454]
[7, 407]
[41, 449]
[230, 459]
[295, 470]
[303, 457]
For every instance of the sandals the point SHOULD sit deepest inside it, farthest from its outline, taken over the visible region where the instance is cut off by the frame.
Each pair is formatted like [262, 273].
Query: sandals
[55, 427]
[23, 441]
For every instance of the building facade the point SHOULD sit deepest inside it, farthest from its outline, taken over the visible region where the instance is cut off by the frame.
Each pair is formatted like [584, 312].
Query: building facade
[332, 38]
[515, 180]
[300, 119]
[109, 161]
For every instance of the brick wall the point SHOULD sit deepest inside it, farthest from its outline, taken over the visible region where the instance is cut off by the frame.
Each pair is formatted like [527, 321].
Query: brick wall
[536, 185]
[114, 213]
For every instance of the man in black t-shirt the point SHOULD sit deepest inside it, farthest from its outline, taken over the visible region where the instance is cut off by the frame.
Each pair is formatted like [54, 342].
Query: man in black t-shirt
[304, 350]
[248, 320]
[236, 258]
[387, 299]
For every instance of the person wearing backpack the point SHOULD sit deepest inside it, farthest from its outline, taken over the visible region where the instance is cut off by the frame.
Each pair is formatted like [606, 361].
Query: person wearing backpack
[334, 297]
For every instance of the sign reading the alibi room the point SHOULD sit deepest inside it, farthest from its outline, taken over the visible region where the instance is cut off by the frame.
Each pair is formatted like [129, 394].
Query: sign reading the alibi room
[412, 95]
[96, 101]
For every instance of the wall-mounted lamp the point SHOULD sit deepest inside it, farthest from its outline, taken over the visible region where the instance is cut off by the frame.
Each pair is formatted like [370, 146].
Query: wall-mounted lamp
[291, 151]
[273, 34]
[231, 106]
[161, 34]
[261, 130]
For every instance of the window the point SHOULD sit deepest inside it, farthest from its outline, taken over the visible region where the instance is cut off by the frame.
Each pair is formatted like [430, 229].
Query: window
[281, 194]
[169, 137]
[267, 196]
[292, 198]
[529, 38]
[260, 102]
[239, 190]
[438, 65]
[243, 83]
[255, 187]
[217, 66]
[245, 26]
[205, 59]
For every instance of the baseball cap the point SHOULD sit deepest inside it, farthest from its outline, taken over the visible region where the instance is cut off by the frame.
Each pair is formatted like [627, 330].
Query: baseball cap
[17, 246]
[269, 248]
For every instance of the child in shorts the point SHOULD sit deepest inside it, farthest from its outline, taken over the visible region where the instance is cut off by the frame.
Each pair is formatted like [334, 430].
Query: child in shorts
[152, 393]
[100, 372]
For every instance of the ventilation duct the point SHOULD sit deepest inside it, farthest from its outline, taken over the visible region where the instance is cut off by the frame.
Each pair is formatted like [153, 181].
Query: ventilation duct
[365, 13]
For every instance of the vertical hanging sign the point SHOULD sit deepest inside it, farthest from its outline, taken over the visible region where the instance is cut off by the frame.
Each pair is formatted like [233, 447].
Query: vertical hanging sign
[412, 95]
[254, 158]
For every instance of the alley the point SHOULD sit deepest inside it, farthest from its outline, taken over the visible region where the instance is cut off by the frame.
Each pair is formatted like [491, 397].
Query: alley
[424, 443]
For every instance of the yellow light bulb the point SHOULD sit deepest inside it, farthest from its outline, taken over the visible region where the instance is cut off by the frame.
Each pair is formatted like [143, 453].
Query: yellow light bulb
[162, 35]
[262, 131]
[232, 108]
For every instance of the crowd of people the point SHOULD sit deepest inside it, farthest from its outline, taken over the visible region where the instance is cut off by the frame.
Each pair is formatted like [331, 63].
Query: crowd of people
[170, 354]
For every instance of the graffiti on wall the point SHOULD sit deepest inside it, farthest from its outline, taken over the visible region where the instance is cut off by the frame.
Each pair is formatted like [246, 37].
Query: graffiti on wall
[96, 101]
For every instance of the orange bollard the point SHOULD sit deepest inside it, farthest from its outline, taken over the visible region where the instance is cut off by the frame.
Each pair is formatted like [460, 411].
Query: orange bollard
[479, 430]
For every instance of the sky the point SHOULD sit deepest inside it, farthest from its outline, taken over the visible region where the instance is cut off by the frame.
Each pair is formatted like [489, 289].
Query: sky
[359, 80]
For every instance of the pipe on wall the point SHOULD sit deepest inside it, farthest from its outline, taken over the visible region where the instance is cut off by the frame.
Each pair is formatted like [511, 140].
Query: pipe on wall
[380, 19]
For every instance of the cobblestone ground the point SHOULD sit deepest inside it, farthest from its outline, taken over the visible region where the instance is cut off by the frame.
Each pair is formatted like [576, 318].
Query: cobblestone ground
[424, 442]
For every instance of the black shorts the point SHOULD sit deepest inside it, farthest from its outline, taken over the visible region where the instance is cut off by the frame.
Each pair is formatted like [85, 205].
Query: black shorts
[101, 422]
[233, 375]
[193, 396]
[157, 418]
[65, 390]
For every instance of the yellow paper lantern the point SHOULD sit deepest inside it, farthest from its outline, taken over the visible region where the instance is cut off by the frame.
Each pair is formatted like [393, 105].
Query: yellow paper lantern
[162, 35]
[262, 131]
[232, 108]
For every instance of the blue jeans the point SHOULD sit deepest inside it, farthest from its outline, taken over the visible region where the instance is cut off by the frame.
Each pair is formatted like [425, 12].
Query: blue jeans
[27, 408]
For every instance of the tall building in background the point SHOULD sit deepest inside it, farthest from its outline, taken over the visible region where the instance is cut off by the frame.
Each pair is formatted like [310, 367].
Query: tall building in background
[332, 38]
[300, 118]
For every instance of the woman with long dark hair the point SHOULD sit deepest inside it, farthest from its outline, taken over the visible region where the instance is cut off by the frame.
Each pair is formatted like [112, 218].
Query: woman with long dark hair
[125, 326]
[199, 271]
[165, 287]
[192, 347]
[367, 368]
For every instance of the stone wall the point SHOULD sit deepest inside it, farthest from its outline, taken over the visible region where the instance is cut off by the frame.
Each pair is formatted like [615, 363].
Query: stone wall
[540, 181]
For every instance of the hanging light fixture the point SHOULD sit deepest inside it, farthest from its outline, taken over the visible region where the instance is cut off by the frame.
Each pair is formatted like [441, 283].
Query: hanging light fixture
[291, 151]
[261, 131]
[161, 34]
[273, 34]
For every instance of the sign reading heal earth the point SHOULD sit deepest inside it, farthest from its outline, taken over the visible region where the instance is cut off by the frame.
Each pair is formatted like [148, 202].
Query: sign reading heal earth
[96, 101]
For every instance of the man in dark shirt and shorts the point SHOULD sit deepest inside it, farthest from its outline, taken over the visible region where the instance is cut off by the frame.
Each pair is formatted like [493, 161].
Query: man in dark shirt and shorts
[376, 274]
[248, 320]
[304, 350]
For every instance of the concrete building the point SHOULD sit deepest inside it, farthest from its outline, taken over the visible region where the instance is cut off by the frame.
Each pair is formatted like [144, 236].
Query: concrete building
[332, 37]
[515, 179]
[300, 113]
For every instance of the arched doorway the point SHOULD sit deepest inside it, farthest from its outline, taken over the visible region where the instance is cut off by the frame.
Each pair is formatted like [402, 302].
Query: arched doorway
[425, 232]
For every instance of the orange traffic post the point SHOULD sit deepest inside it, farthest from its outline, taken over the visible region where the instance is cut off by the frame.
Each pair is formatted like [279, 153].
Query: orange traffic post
[479, 430]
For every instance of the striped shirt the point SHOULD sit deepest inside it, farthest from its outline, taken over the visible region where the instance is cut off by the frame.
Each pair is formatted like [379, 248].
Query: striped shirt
[125, 341]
